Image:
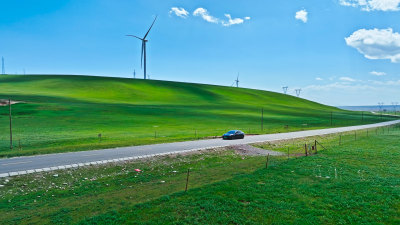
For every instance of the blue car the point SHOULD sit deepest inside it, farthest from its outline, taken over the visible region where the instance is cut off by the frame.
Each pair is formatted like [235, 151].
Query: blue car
[233, 134]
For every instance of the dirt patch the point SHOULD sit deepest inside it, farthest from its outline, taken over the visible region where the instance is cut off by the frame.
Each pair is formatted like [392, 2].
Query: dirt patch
[4, 102]
[250, 150]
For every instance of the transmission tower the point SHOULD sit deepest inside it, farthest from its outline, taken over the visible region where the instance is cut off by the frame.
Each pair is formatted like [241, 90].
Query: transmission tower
[380, 104]
[298, 92]
[395, 106]
[285, 89]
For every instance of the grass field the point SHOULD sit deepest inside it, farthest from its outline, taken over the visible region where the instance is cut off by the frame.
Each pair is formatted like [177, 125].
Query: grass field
[67, 113]
[357, 182]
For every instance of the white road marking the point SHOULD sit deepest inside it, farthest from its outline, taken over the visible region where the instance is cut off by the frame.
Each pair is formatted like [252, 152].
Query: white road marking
[15, 163]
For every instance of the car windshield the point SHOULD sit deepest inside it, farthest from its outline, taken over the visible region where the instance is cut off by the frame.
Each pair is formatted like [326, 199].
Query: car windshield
[231, 132]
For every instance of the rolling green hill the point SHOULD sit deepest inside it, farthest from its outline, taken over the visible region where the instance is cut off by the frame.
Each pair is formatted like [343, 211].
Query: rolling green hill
[67, 113]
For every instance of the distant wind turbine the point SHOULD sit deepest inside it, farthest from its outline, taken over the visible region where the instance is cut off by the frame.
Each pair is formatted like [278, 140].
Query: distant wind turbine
[237, 80]
[143, 55]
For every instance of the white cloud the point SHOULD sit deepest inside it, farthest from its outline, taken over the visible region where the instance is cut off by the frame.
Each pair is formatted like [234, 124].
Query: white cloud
[378, 73]
[376, 43]
[181, 12]
[319, 78]
[340, 86]
[373, 5]
[302, 15]
[349, 79]
[231, 21]
[203, 13]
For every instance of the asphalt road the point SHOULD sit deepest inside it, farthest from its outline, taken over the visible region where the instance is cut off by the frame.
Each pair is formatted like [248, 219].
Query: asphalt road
[31, 164]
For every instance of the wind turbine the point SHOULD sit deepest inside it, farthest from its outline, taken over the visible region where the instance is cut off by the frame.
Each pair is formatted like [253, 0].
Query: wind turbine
[143, 55]
[237, 80]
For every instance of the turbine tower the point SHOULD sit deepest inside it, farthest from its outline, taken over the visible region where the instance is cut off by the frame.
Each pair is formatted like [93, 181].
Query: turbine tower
[237, 80]
[134, 73]
[3, 69]
[143, 54]
[298, 92]
[285, 89]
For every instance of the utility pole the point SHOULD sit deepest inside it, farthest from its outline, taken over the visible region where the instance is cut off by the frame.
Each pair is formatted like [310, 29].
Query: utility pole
[3, 69]
[9, 107]
[262, 119]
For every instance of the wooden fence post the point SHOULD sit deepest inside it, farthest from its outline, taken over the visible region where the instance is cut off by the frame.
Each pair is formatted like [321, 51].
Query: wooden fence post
[187, 180]
[315, 146]
[305, 149]
[266, 164]
[288, 153]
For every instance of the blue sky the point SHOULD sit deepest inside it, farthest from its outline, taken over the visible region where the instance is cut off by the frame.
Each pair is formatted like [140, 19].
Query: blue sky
[339, 52]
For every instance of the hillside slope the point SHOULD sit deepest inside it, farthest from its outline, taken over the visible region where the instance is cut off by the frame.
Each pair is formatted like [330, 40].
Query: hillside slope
[67, 113]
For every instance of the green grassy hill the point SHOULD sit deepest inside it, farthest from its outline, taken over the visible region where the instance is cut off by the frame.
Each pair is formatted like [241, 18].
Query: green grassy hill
[66, 113]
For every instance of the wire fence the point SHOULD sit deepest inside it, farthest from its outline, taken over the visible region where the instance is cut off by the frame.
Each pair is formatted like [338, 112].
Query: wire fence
[49, 134]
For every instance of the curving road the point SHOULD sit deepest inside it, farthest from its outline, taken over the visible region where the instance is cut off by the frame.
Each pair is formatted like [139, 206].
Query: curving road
[31, 164]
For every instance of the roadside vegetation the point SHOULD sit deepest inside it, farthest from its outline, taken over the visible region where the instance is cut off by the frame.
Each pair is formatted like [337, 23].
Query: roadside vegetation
[74, 113]
[355, 179]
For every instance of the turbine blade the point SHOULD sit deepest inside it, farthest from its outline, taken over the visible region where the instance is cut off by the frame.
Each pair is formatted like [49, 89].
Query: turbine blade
[150, 27]
[134, 36]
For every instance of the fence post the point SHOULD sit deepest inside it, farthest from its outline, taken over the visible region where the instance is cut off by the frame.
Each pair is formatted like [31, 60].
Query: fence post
[288, 153]
[187, 180]
[266, 164]
[340, 139]
[315, 144]
[262, 119]
[10, 117]
[305, 149]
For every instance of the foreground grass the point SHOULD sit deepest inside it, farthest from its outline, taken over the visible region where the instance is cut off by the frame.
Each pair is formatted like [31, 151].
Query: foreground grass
[67, 113]
[63, 197]
[356, 182]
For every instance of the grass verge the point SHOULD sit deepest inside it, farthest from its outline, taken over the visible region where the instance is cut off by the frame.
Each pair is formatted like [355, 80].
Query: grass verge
[357, 181]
